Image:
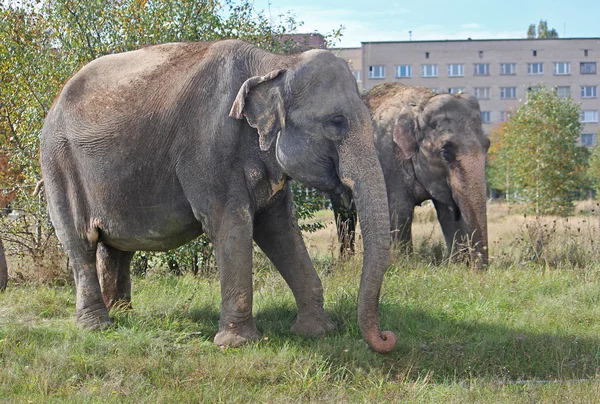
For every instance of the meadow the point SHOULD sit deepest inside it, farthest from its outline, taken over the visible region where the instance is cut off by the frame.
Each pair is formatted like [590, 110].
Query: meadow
[526, 330]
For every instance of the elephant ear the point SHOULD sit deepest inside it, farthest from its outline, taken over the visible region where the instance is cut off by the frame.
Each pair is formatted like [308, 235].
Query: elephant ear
[404, 132]
[259, 100]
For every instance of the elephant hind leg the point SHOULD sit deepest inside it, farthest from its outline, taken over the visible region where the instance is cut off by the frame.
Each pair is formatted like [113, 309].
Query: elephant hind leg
[112, 266]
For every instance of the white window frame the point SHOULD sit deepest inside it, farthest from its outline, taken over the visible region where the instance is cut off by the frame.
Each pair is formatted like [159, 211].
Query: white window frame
[581, 64]
[357, 75]
[558, 91]
[512, 67]
[535, 72]
[512, 90]
[488, 117]
[456, 90]
[592, 93]
[562, 68]
[432, 67]
[456, 70]
[408, 70]
[435, 90]
[380, 69]
[482, 93]
[486, 69]
[589, 116]
[593, 139]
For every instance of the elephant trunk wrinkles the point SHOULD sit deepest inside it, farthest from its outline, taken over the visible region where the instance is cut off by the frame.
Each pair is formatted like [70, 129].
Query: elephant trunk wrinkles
[3, 268]
[470, 196]
[360, 170]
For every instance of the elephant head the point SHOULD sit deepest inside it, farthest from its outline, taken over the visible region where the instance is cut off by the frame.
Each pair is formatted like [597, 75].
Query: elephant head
[310, 115]
[444, 139]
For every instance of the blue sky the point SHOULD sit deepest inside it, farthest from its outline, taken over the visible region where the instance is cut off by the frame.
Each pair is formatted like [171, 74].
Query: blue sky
[381, 20]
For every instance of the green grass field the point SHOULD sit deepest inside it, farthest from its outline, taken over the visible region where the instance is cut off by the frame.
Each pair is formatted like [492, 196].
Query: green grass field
[527, 330]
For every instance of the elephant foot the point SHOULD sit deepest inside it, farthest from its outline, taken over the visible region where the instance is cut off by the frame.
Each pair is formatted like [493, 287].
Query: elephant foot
[313, 325]
[120, 305]
[94, 320]
[233, 337]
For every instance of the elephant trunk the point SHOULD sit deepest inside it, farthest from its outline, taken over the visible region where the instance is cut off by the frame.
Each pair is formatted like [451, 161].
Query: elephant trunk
[469, 193]
[361, 172]
[3, 268]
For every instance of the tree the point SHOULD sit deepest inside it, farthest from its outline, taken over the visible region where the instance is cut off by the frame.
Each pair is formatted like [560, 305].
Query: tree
[537, 156]
[542, 31]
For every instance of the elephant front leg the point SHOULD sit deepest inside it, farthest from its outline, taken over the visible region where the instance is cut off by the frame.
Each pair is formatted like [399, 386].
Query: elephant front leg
[401, 217]
[277, 233]
[233, 252]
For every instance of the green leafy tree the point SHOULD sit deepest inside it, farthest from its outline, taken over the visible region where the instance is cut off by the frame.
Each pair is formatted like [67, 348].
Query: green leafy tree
[542, 31]
[43, 42]
[538, 158]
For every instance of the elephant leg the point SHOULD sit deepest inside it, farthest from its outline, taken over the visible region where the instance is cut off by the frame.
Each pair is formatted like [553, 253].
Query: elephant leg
[345, 220]
[3, 268]
[113, 272]
[90, 310]
[277, 233]
[401, 218]
[232, 239]
[453, 230]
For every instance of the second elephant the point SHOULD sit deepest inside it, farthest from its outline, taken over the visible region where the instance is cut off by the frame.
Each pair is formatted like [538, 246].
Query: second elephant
[431, 146]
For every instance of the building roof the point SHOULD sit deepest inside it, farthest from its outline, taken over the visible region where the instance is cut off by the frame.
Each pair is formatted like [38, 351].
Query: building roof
[483, 40]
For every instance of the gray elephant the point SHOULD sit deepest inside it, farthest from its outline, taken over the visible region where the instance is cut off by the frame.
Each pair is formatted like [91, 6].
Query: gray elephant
[431, 146]
[146, 150]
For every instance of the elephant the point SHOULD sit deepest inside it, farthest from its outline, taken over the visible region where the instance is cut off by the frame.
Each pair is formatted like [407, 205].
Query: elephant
[3, 268]
[148, 149]
[431, 147]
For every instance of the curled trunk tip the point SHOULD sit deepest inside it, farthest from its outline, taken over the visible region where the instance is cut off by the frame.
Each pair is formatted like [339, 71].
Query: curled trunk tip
[381, 342]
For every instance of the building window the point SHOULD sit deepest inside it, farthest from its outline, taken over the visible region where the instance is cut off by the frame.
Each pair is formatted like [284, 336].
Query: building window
[535, 68]
[403, 71]
[589, 91]
[585, 52]
[563, 91]
[357, 75]
[480, 54]
[508, 93]
[588, 139]
[426, 55]
[429, 70]
[485, 117]
[456, 70]
[533, 89]
[456, 90]
[534, 53]
[562, 68]
[482, 93]
[504, 116]
[589, 116]
[377, 72]
[508, 69]
[587, 67]
[481, 69]
[435, 90]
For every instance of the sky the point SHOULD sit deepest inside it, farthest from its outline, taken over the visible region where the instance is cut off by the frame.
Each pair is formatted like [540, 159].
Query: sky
[391, 20]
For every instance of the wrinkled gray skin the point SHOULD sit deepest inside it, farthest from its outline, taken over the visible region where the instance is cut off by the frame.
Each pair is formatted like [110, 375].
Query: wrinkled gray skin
[432, 147]
[146, 150]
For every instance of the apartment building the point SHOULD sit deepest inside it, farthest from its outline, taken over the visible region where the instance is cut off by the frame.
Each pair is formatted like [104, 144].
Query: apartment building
[498, 72]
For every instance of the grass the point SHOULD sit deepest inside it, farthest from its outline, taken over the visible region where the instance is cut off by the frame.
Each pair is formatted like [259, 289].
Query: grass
[527, 330]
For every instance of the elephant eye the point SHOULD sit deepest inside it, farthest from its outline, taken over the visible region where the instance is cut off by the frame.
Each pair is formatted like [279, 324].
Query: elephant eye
[336, 128]
[338, 120]
[448, 153]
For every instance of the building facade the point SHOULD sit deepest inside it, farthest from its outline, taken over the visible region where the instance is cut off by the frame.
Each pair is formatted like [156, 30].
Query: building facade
[499, 73]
